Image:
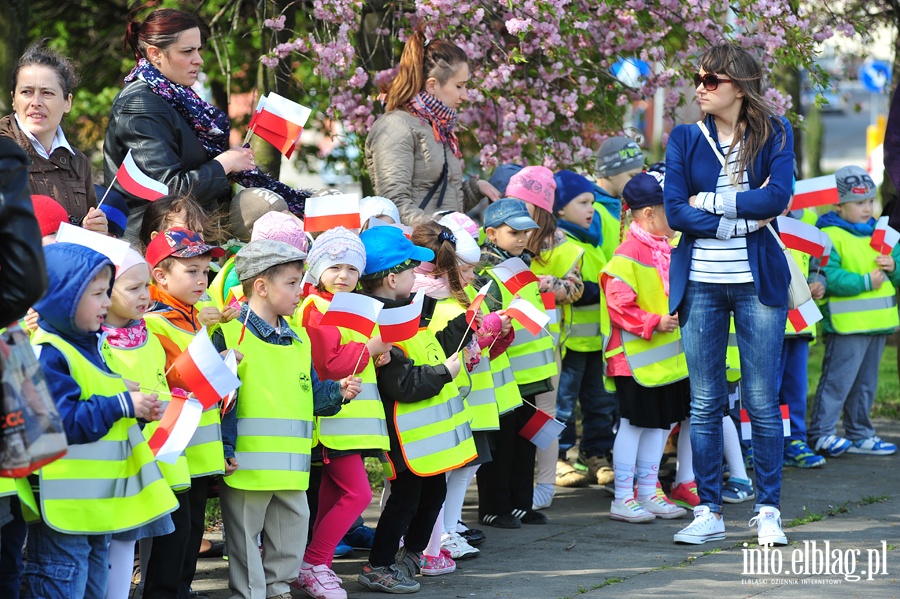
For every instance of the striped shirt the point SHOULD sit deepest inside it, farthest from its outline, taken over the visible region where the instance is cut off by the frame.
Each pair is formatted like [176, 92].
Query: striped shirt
[723, 260]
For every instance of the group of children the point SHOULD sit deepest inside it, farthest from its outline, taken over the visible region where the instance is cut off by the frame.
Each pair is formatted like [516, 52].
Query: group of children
[434, 408]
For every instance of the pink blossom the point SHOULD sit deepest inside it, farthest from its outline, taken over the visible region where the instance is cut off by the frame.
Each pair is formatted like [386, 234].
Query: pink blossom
[276, 24]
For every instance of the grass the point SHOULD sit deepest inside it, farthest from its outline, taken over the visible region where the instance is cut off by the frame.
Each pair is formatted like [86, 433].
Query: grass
[806, 519]
[870, 499]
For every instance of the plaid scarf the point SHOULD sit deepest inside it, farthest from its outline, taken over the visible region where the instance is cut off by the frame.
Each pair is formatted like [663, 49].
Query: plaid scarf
[441, 117]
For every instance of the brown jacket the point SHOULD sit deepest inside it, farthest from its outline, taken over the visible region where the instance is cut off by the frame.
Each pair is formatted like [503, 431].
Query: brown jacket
[64, 177]
[405, 160]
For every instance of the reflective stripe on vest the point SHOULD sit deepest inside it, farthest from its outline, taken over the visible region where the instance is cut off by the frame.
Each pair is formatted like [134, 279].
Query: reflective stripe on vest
[584, 332]
[438, 443]
[863, 305]
[92, 492]
[655, 365]
[506, 390]
[558, 262]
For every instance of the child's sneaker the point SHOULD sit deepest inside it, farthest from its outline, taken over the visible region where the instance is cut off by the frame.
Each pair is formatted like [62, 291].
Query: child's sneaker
[408, 562]
[737, 490]
[342, 549]
[436, 565]
[799, 455]
[387, 579]
[458, 547]
[360, 537]
[832, 445]
[320, 582]
[661, 506]
[629, 510]
[872, 446]
[768, 526]
[705, 527]
[685, 495]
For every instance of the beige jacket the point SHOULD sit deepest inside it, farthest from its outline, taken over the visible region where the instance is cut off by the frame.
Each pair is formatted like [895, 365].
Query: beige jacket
[405, 160]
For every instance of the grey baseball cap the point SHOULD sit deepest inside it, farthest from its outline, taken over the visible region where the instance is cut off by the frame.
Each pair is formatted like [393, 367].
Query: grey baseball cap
[257, 256]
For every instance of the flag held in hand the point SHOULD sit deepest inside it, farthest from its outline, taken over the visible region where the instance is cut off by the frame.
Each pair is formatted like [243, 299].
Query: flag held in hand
[514, 274]
[818, 191]
[527, 315]
[402, 323]
[541, 429]
[328, 212]
[135, 182]
[885, 237]
[353, 311]
[204, 371]
[476, 302]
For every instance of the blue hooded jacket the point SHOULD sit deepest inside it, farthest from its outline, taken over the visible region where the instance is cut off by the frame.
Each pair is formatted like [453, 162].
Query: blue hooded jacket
[71, 269]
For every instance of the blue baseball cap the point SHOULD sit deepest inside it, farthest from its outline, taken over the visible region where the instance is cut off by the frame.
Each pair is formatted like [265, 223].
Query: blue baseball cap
[509, 211]
[388, 248]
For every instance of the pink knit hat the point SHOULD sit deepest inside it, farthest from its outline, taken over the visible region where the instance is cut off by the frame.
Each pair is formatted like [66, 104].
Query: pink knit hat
[535, 185]
[279, 226]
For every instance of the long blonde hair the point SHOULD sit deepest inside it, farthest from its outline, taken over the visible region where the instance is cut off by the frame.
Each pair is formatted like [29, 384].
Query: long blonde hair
[418, 63]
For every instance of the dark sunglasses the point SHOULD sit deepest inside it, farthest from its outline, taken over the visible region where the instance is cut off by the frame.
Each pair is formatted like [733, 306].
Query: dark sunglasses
[709, 81]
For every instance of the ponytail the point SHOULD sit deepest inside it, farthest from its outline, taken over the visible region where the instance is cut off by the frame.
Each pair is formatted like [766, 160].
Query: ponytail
[439, 239]
[420, 62]
[622, 223]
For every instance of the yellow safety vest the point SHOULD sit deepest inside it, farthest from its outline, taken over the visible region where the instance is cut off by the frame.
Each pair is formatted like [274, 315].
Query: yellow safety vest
[481, 403]
[22, 488]
[205, 455]
[584, 334]
[870, 311]
[274, 413]
[660, 360]
[217, 290]
[560, 260]
[147, 365]
[611, 228]
[361, 423]
[434, 433]
[110, 485]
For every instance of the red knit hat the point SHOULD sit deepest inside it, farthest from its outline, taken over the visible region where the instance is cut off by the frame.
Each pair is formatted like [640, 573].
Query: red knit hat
[49, 214]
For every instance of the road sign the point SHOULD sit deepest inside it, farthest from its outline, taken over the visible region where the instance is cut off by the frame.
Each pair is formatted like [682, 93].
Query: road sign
[631, 71]
[875, 75]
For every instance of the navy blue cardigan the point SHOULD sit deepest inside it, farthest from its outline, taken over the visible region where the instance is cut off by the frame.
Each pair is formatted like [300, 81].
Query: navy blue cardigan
[691, 168]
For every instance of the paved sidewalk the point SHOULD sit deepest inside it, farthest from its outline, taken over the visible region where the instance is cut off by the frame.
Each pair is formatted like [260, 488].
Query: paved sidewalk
[853, 503]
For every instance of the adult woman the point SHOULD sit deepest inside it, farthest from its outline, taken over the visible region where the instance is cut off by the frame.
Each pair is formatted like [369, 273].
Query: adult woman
[42, 84]
[727, 262]
[412, 151]
[175, 136]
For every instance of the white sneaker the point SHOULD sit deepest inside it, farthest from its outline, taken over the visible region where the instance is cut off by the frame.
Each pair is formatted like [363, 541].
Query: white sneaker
[458, 547]
[705, 527]
[768, 526]
[662, 507]
[629, 510]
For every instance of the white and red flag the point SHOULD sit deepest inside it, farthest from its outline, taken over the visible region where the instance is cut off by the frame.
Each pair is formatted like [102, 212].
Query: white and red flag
[307, 284]
[818, 191]
[280, 122]
[747, 430]
[476, 302]
[204, 371]
[541, 429]
[353, 311]
[826, 255]
[327, 212]
[800, 236]
[527, 315]
[549, 300]
[514, 274]
[805, 315]
[402, 323]
[178, 424]
[135, 182]
[885, 237]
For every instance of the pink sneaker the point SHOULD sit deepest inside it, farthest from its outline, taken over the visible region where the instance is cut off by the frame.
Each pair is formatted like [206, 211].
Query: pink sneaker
[685, 495]
[435, 566]
[320, 582]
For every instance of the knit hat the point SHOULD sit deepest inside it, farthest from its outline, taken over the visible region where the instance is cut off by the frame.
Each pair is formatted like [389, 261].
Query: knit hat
[570, 185]
[336, 246]
[281, 227]
[535, 185]
[503, 174]
[116, 210]
[618, 155]
[250, 204]
[641, 191]
[374, 206]
[854, 184]
[258, 256]
[49, 214]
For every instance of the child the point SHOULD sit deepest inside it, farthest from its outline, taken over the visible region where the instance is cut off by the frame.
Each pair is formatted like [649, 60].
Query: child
[267, 436]
[429, 424]
[108, 481]
[581, 375]
[860, 313]
[138, 356]
[618, 160]
[505, 487]
[179, 259]
[359, 430]
[643, 355]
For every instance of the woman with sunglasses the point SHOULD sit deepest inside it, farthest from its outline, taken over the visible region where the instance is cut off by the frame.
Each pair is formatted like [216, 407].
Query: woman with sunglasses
[727, 177]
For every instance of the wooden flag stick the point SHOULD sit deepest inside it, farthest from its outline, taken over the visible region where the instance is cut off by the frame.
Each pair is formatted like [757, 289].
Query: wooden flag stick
[353, 373]
[166, 374]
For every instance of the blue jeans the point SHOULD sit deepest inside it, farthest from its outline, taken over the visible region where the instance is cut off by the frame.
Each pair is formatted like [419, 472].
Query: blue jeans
[793, 384]
[704, 316]
[61, 566]
[581, 379]
[12, 539]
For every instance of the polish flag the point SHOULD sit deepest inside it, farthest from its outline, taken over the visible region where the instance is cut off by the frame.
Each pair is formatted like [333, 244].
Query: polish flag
[476, 302]
[826, 255]
[747, 431]
[885, 237]
[180, 420]
[818, 191]
[513, 273]
[549, 299]
[353, 311]
[400, 324]
[135, 182]
[112, 248]
[203, 370]
[231, 362]
[328, 212]
[541, 429]
[805, 315]
[527, 315]
[280, 122]
[797, 235]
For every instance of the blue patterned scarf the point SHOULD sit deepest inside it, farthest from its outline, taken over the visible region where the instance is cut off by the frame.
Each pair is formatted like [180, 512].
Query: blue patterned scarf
[441, 117]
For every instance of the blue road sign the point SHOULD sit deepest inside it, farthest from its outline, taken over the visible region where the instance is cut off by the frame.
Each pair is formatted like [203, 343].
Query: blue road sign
[875, 75]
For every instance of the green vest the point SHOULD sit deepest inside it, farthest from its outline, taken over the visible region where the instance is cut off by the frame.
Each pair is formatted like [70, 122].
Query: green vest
[870, 311]
[584, 334]
[217, 290]
[559, 262]
[611, 227]
[361, 423]
[274, 413]
[732, 355]
[107, 486]
[434, 433]
[147, 365]
[205, 455]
